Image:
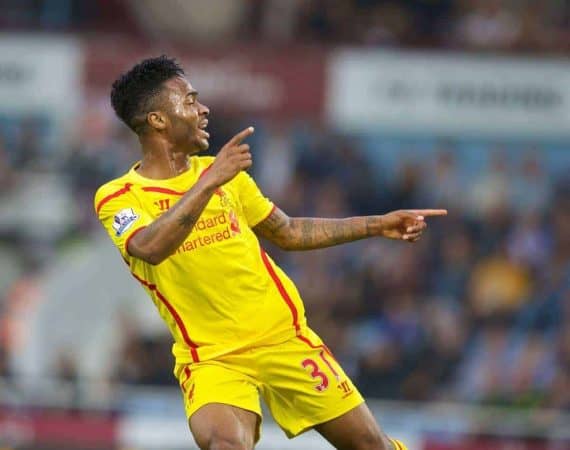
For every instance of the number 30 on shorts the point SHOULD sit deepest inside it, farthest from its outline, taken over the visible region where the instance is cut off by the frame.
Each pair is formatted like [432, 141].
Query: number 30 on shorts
[317, 373]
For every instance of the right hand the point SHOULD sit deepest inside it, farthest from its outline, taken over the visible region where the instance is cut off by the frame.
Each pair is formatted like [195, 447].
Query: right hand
[232, 158]
[407, 225]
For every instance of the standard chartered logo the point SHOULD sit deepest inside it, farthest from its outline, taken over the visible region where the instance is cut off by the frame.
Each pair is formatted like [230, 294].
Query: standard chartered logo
[210, 230]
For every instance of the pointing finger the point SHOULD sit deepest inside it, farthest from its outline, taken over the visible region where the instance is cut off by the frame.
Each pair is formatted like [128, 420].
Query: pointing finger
[429, 212]
[241, 136]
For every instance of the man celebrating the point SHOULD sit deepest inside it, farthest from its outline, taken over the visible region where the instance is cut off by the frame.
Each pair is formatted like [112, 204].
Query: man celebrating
[187, 226]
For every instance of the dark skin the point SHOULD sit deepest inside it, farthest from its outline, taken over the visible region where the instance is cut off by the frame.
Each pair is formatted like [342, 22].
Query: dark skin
[173, 131]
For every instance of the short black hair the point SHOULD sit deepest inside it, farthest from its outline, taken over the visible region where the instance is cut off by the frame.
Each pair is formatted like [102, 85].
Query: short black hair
[133, 91]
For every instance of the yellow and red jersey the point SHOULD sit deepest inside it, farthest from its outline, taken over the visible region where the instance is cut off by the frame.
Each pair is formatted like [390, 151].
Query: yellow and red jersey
[219, 292]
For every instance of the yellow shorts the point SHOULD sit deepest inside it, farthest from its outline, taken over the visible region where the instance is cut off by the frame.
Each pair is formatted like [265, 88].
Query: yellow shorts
[300, 381]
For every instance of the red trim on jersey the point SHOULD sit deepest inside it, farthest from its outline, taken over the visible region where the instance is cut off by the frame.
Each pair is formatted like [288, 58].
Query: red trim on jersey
[322, 346]
[130, 237]
[174, 313]
[218, 191]
[187, 372]
[204, 171]
[116, 194]
[162, 190]
[267, 216]
[281, 289]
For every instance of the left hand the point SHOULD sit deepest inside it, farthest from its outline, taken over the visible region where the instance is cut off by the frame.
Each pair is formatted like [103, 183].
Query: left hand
[407, 225]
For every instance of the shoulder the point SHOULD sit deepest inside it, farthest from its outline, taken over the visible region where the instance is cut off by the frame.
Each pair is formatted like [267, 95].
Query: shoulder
[111, 190]
[201, 164]
[203, 161]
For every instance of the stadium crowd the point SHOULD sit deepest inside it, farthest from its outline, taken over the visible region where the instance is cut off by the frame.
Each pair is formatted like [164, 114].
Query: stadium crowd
[481, 25]
[478, 310]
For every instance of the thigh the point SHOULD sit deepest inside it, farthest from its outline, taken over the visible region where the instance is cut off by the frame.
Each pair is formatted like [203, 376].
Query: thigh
[220, 400]
[303, 384]
[217, 424]
[354, 430]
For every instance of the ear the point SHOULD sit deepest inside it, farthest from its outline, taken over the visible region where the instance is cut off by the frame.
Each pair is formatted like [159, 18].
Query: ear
[156, 120]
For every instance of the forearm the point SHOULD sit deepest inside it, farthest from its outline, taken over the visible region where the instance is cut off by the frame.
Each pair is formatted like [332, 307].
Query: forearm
[311, 233]
[303, 233]
[162, 237]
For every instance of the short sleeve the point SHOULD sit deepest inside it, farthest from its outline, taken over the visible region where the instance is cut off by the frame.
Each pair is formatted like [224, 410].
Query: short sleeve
[256, 206]
[121, 215]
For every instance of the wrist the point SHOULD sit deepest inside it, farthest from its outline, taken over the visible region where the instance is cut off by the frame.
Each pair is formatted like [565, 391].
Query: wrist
[375, 225]
[208, 183]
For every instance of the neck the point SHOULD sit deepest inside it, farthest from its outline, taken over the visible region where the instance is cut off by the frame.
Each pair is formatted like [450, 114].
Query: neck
[161, 160]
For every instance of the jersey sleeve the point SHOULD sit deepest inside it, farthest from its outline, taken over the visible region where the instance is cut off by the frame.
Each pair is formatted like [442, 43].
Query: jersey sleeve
[121, 215]
[256, 206]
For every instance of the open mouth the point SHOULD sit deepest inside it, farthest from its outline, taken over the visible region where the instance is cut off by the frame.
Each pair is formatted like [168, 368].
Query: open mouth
[202, 127]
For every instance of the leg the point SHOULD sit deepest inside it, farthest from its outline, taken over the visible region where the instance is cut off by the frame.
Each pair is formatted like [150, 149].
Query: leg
[355, 430]
[216, 426]
[222, 404]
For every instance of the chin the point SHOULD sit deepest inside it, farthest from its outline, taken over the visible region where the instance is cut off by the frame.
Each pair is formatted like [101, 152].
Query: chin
[203, 144]
[198, 146]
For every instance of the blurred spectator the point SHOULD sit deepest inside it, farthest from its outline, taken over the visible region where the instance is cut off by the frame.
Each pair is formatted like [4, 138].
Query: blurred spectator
[274, 171]
[7, 173]
[476, 25]
[450, 281]
[528, 244]
[487, 24]
[559, 395]
[278, 20]
[531, 191]
[444, 185]
[385, 24]
[482, 374]
[490, 192]
[531, 371]
[498, 286]
[481, 303]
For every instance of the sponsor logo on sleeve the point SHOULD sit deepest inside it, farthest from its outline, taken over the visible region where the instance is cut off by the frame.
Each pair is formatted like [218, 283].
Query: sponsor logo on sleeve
[123, 220]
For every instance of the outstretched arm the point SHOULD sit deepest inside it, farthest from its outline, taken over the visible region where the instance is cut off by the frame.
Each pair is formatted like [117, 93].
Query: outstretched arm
[304, 233]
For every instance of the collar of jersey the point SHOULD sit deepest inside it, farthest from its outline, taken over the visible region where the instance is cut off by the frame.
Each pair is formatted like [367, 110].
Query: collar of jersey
[189, 174]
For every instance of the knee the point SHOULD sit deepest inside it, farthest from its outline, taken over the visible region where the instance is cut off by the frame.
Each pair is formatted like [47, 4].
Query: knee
[224, 441]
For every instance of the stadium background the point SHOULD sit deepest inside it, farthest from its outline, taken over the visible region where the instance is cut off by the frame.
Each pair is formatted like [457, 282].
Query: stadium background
[461, 341]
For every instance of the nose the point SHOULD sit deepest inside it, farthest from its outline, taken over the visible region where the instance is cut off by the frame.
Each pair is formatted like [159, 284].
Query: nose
[204, 110]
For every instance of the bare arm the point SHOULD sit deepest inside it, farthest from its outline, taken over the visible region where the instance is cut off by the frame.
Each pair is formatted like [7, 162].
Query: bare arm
[162, 237]
[303, 233]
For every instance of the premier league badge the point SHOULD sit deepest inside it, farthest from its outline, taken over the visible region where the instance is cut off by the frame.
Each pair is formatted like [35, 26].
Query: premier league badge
[123, 220]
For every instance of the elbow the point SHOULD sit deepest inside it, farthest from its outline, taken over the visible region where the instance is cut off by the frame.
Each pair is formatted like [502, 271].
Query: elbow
[285, 243]
[286, 246]
[153, 259]
[150, 256]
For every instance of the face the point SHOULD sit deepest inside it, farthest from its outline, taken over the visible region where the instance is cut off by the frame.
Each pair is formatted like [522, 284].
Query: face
[186, 117]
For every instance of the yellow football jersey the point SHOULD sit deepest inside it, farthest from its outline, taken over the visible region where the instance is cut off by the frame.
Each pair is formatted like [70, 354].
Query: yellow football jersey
[219, 292]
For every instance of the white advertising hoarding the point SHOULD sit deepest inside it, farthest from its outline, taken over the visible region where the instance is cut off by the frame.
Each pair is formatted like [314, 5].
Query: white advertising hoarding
[448, 93]
[38, 72]
[41, 75]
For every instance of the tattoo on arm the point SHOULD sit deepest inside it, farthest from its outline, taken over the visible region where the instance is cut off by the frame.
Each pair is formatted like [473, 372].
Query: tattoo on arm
[272, 227]
[187, 220]
[302, 233]
[164, 235]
